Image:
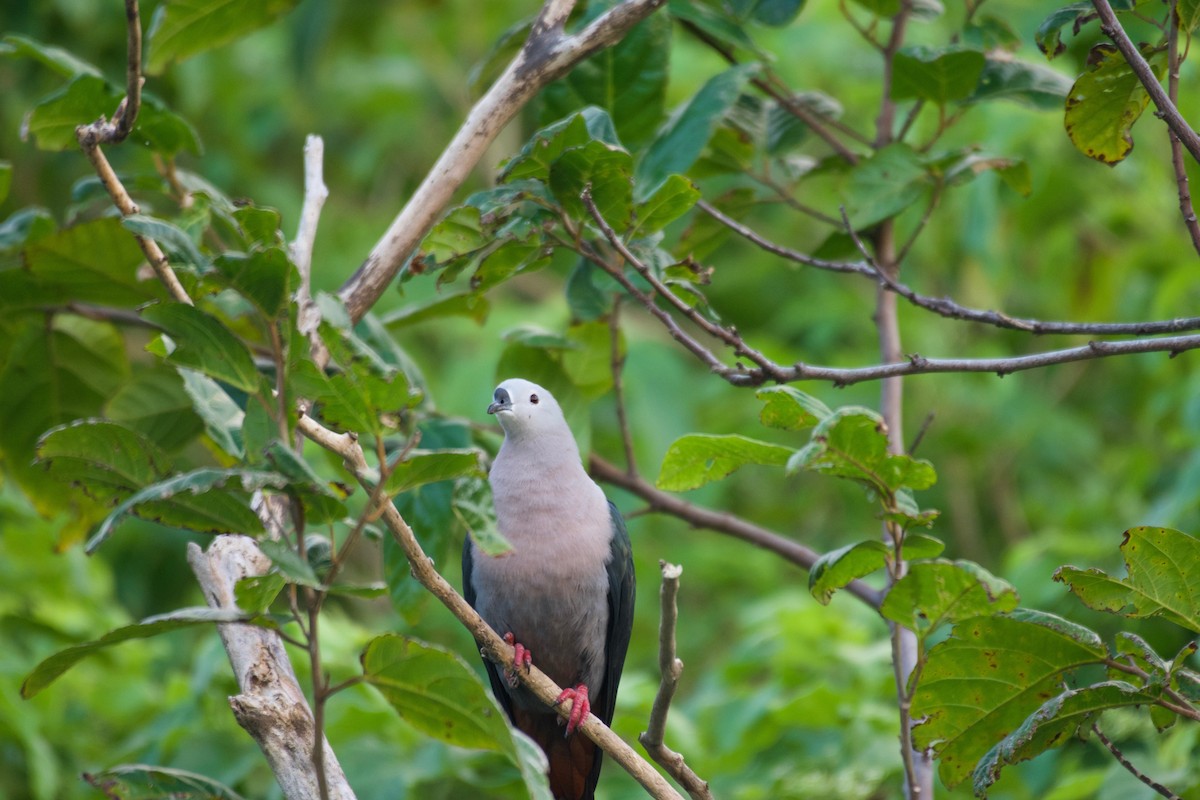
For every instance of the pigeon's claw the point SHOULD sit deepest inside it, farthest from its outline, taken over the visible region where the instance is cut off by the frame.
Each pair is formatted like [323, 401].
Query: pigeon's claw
[581, 707]
[522, 659]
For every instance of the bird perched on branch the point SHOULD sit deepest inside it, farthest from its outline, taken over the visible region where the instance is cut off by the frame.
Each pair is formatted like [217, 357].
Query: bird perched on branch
[563, 596]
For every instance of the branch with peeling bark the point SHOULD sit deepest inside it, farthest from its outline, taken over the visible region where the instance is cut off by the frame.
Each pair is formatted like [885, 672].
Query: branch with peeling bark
[346, 446]
[548, 54]
[670, 667]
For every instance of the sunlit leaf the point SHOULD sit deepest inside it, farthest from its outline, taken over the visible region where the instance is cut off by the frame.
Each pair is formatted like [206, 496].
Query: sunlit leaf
[430, 466]
[790, 409]
[835, 569]
[1163, 580]
[699, 458]
[1105, 102]
[979, 685]
[472, 506]
[934, 593]
[852, 443]
[670, 201]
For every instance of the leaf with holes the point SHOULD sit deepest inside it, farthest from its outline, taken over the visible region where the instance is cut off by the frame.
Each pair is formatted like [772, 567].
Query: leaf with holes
[699, 458]
[790, 409]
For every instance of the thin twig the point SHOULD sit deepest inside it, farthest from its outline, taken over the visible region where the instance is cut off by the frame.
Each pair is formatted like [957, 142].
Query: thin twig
[721, 522]
[1186, 209]
[670, 668]
[618, 364]
[547, 54]
[491, 645]
[1125, 762]
[948, 308]
[1145, 75]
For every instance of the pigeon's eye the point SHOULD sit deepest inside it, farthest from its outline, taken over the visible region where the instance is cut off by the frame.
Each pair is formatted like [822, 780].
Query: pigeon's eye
[533, 398]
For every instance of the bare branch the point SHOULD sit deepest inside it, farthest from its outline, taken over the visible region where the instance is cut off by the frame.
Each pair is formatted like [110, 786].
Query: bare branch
[721, 522]
[271, 706]
[1166, 109]
[301, 249]
[948, 308]
[1125, 762]
[491, 645]
[670, 668]
[1186, 209]
[548, 54]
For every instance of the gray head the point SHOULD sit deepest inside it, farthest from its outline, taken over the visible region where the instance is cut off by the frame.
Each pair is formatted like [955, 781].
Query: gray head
[523, 408]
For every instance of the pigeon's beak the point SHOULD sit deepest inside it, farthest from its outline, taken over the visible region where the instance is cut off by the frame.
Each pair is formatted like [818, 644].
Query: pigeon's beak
[502, 402]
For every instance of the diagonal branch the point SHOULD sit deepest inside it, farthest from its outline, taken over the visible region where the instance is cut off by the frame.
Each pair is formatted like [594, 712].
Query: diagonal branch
[491, 645]
[548, 54]
[1166, 109]
[722, 522]
[670, 668]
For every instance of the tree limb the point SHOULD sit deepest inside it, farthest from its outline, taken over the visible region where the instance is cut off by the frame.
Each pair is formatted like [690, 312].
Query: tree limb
[670, 668]
[548, 54]
[301, 248]
[722, 522]
[271, 707]
[491, 645]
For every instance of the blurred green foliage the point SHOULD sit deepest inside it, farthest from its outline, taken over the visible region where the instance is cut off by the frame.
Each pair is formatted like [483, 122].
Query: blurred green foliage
[782, 697]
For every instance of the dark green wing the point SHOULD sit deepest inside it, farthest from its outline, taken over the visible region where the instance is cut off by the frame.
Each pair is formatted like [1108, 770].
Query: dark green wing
[621, 590]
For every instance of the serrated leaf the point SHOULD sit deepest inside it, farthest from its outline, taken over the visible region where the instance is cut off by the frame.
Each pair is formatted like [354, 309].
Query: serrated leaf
[790, 409]
[436, 692]
[607, 170]
[981, 684]
[1056, 721]
[430, 466]
[109, 460]
[181, 29]
[545, 146]
[196, 500]
[458, 233]
[263, 277]
[1163, 580]
[472, 506]
[884, 185]
[1105, 102]
[50, 669]
[938, 76]
[202, 343]
[934, 593]
[699, 458]
[835, 569]
[671, 200]
[685, 134]
[852, 443]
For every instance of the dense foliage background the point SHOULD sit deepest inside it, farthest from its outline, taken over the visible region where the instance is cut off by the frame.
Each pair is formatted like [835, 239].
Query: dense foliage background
[782, 697]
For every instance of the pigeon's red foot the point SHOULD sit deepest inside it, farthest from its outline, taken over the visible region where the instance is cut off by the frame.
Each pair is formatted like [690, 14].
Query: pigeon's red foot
[580, 706]
[522, 658]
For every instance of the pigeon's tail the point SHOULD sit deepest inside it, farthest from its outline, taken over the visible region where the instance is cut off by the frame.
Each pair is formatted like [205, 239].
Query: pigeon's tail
[574, 760]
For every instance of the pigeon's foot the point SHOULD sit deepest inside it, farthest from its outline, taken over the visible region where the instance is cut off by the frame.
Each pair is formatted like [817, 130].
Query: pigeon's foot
[580, 706]
[522, 659]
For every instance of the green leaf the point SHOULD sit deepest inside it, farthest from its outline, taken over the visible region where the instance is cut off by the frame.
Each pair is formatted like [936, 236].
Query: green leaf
[934, 593]
[671, 200]
[585, 299]
[359, 399]
[181, 29]
[155, 404]
[885, 184]
[51, 668]
[108, 460]
[170, 237]
[436, 692]
[589, 362]
[790, 409]
[263, 277]
[462, 304]
[716, 21]
[1188, 12]
[458, 233]
[545, 146]
[255, 594]
[93, 261]
[699, 458]
[1105, 102]
[472, 506]
[53, 121]
[5, 179]
[608, 170]
[1049, 34]
[921, 545]
[979, 685]
[199, 341]
[776, 13]
[289, 563]
[835, 569]
[683, 138]
[939, 76]
[430, 466]
[205, 500]
[1163, 581]
[628, 79]
[1053, 724]
[852, 443]
[259, 225]
[1032, 85]
[223, 418]
[63, 62]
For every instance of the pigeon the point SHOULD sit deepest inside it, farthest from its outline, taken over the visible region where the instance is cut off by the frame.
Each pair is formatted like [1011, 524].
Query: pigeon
[563, 596]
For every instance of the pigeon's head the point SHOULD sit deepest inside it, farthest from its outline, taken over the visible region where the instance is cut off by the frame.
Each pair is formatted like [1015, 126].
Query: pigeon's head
[522, 407]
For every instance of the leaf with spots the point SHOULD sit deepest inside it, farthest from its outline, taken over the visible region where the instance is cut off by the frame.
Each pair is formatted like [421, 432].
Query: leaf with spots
[1056, 721]
[936, 592]
[1163, 580]
[982, 683]
[1106, 101]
